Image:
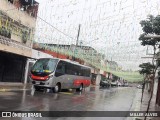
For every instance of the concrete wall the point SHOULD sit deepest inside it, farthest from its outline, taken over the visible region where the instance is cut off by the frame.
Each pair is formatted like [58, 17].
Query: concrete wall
[23, 18]
[155, 86]
[98, 78]
[38, 54]
[16, 38]
[158, 95]
[16, 14]
[155, 83]
[8, 45]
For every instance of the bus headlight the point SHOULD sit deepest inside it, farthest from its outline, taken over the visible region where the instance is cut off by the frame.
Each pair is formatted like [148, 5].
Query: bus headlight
[49, 77]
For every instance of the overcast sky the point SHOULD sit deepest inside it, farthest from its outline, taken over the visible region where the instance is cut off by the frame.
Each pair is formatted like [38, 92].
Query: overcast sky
[110, 26]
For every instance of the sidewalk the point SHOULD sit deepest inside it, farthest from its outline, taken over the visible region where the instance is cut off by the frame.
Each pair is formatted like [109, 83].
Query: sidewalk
[153, 106]
[7, 86]
[144, 105]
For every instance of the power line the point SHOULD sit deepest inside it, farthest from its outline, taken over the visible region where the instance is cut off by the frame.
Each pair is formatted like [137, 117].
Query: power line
[48, 24]
[56, 28]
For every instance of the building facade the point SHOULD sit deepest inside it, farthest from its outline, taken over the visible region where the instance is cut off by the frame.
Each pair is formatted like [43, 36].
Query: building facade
[17, 27]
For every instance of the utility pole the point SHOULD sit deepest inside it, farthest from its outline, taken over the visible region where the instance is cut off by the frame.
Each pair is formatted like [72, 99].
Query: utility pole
[75, 50]
[78, 35]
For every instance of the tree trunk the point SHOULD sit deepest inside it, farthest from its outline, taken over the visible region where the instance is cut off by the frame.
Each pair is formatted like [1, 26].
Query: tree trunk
[158, 93]
[143, 88]
[149, 102]
[154, 73]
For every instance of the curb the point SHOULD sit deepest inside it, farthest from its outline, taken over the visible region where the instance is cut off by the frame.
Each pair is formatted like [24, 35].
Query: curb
[9, 87]
[136, 104]
[11, 90]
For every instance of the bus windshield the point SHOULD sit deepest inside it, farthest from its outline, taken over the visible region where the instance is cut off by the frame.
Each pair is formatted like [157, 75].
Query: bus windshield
[45, 65]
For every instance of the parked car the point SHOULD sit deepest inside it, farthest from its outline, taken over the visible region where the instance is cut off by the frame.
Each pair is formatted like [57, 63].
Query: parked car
[105, 83]
[120, 84]
[125, 84]
[140, 86]
[114, 84]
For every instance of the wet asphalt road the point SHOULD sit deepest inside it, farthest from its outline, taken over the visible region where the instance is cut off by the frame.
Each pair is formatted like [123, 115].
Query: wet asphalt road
[92, 99]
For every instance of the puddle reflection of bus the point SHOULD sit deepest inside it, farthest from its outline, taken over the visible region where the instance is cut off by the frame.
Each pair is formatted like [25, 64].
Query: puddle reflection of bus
[57, 74]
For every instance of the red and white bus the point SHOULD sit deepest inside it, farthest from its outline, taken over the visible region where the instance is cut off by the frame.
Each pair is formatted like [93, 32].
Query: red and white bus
[60, 74]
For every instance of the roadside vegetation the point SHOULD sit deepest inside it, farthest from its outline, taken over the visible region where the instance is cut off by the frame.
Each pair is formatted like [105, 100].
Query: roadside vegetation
[149, 37]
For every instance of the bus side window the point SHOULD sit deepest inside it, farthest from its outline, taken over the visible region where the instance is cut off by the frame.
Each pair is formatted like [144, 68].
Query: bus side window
[76, 69]
[88, 72]
[60, 69]
[85, 71]
[79, 73]
[69, 69]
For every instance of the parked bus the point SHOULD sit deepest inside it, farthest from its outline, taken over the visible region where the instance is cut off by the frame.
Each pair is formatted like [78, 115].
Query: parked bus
[57, 74]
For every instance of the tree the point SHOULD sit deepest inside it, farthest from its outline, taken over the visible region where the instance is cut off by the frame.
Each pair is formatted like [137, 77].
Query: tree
[146, 70]
[150, 26]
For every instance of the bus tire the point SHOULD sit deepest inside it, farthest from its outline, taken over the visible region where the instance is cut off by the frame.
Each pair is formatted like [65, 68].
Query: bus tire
[37, 88]
[57, 88]
[80, 88]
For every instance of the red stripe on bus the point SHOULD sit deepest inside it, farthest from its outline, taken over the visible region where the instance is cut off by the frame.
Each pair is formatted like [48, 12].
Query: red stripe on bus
[38, 77]
[77, 82]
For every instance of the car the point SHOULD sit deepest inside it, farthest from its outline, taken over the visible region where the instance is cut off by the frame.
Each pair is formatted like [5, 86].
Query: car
[114, 84]
[125, 84]
[120, 84]
[105, 83]
[140, 86]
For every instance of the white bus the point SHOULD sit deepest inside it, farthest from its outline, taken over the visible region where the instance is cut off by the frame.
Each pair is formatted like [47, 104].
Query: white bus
[57, 74]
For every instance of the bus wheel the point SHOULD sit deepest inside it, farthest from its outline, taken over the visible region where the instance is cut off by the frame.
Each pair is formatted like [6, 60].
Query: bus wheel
[80, 88]
[57, 88]
[37, 88]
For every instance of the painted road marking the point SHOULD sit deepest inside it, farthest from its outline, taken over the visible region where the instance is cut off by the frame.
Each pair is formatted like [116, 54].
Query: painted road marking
[3, 90]
[67, 93]
[7, 90]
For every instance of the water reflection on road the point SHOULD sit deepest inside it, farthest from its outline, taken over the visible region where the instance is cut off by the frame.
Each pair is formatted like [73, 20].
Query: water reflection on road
[91, 99]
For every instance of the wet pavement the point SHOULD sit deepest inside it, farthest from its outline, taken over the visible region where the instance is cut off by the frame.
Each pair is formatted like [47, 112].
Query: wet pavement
[91, 99]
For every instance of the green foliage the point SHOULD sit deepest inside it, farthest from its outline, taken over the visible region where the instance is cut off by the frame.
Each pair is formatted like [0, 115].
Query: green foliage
[146, 68]
[5, 32]
[156, 25]
[24, 36]
[150, 26]
[147, 25]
